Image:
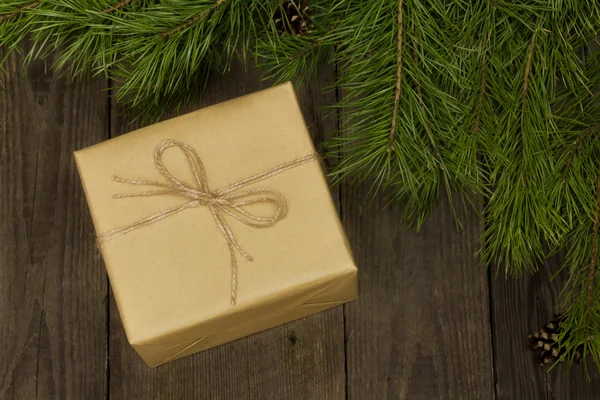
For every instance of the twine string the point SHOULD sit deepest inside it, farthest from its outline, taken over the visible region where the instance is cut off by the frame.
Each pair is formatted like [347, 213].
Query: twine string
[229, 200]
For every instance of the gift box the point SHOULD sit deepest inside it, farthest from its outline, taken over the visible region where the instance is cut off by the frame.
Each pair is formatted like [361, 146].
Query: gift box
[216, 225]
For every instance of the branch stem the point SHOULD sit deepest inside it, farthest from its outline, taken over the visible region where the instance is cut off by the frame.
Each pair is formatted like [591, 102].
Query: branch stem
[398, 90]
[192, 21]
[528, 66]
[587, 132]
[116, 7]
[422, 104]
[306, 50]
[310, 48]
[528, 63]
[594, 262]
[20, 11]
[483, 78]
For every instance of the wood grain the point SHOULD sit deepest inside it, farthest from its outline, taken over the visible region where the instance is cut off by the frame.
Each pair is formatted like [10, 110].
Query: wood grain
[522, 306]
[53, 321]
[300, 360]
[515, 315]
[420, 329]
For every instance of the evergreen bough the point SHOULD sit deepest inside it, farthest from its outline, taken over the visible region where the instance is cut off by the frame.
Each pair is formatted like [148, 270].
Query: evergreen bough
[495, 100]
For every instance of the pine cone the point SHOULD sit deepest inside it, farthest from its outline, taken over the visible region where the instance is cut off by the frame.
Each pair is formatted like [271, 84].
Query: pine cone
[293, 16]
[545, 343]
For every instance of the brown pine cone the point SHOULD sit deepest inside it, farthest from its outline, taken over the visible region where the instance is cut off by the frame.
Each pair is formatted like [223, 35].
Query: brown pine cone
[545, 343]
[293, 16]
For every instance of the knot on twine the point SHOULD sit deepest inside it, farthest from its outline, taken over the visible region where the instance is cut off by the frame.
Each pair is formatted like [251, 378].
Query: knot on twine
[229, 200]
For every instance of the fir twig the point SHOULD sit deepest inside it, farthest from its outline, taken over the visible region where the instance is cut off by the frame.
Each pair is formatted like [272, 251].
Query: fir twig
[117, 6]
[398, 89]
[591, 278]
[484, 60]
[420, 98]
[587, 132]
[526, 87]
[311, 48]
[528, 64]
[20, 11]
[192, 21]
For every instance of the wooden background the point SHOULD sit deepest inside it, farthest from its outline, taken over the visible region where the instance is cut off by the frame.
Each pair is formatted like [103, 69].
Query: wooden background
[431, 321]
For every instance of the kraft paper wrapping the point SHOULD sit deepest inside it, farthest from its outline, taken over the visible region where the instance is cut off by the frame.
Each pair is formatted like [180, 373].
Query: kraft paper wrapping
[171, 280]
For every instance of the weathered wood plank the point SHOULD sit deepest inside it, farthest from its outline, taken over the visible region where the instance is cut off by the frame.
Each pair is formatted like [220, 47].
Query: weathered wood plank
[522, 306]
[420, 329]
[562, 383]
[301, 360]
[53, 329]
[515, 315]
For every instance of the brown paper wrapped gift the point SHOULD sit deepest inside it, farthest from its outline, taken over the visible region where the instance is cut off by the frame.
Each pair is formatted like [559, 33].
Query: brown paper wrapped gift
[172, 278]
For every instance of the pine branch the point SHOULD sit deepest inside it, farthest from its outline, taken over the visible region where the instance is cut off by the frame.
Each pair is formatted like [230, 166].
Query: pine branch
[151, 42]
[291, 56]
[591, 278]
[398, 89]
[16, 19]
[575, 191]
[312, 47]
[192, 21]
[304, 52]
[20, 11]
[116, 7]
[579, 298]
[381, 74]
[528, 64]
[587, 132]
[526, 86]
[484, 60]
[420, 98]
[79, 33]
[517, 144]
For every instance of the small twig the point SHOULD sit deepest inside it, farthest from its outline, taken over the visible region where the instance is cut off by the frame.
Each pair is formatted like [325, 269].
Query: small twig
[528, 66]
[313, 46]
[192, 21]
[528, 63]
[398, 90]
[116, 6]
[305, 51]
[416, 61]
[422, 104]
[594, 261]
[483, 80]
[23, 9]
[582, 137]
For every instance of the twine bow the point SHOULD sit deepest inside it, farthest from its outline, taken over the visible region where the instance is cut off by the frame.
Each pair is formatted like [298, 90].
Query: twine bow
[228, 200]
